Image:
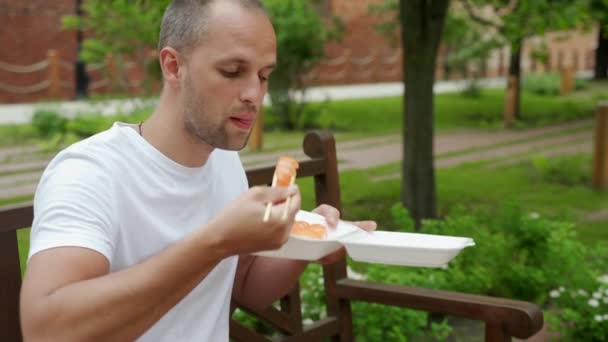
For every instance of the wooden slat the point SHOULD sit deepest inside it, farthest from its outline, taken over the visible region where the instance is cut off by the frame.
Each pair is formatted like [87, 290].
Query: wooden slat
[519, 319]
[317, 331]
[292, 306]
[496, 333]
[327, 191]
[282, 321]
[15, 217]
[239, 333]
[9, 288]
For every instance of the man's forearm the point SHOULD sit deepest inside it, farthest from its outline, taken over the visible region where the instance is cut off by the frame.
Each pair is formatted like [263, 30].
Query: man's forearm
[124, 304]
[269, 279]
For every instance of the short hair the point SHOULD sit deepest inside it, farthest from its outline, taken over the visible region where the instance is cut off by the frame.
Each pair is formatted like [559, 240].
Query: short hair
[185, 22]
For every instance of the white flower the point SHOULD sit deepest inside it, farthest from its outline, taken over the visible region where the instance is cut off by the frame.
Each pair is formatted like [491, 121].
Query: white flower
[599, 318]
[603, 279]
[582, 292]
[534, 215]
[605, 317]
[554, 293]
[597, 295]
[593, 303]
[605, 300]
[354, 275]
[561, 289]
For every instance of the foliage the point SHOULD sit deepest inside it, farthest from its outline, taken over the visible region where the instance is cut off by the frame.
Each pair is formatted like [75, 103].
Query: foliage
[513, 21]
[568, 171]
[122, 29]
[301, 38]
[549, 84]
[533, 254]
[581, 313]
[48, 123]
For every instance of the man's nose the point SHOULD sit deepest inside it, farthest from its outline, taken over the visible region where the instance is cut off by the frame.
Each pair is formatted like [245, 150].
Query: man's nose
[253, 90]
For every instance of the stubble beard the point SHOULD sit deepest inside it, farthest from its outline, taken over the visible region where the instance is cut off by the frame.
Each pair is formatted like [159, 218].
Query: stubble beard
[199, 125]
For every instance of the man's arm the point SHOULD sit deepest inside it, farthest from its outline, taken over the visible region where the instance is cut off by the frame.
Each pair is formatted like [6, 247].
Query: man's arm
[260, 280]
[68, 294]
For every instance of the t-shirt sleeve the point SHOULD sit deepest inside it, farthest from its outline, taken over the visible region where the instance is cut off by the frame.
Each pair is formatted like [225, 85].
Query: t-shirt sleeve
[73, 207]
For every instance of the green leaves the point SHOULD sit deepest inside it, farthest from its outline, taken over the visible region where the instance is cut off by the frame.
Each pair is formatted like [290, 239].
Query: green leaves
[301, 38]
[118, 27]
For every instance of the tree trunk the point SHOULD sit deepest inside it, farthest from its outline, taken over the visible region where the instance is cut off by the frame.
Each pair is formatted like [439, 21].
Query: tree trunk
[601, 54]
[422, 23]
[512, 109]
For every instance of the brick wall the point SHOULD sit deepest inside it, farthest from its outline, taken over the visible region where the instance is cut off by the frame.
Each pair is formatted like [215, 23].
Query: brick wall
[30, 28]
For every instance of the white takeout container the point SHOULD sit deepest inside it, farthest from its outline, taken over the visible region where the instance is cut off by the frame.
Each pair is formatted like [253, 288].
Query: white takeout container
[382, 247]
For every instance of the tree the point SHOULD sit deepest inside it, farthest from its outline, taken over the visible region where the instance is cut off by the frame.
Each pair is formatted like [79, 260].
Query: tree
[515, 20]
[301, 38]
[465, 45]
[120, 28]
[599, 11]
[420, 24]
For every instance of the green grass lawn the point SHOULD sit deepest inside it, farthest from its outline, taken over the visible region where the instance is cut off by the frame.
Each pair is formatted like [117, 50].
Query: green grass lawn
[352, 119]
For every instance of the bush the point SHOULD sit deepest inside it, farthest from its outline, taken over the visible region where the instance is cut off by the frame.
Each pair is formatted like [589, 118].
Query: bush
[568, 171]
[581, 312]
[301, 38]
[48, 123]
[549, 84]
[542, 84]
[517, 255]
[87, 125]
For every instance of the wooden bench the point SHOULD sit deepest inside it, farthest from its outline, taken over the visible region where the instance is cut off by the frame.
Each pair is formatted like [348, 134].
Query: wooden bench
[503, 318]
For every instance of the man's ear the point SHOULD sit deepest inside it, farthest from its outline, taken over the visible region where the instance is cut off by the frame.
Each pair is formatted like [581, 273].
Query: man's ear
[171, 65]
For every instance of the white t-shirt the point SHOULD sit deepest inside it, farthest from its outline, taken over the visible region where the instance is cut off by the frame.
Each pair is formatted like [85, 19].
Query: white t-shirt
[116, 194]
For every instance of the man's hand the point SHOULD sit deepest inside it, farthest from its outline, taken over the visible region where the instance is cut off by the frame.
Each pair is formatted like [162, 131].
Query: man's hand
[332, 216]
[240, 227]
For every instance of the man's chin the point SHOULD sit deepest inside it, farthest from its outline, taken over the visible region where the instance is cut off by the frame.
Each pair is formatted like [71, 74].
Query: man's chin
[235, 144]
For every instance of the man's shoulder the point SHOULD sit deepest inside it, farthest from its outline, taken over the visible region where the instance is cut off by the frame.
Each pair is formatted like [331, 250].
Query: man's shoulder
[97, 151]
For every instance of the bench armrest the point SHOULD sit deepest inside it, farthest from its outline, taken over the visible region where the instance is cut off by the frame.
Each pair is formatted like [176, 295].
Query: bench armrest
[515, 318]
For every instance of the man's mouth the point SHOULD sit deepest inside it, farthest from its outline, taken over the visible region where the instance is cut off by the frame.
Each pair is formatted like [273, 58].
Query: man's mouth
[242, 122]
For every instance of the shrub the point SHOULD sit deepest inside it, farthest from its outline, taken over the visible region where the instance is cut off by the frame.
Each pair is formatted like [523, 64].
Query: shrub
[88, 125]
[517, 255]
[542, 84]
[580, 313]
[48, 123]
[569, 171]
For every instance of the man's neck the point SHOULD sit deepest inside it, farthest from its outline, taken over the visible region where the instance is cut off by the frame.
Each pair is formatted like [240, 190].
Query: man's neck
[165, 131]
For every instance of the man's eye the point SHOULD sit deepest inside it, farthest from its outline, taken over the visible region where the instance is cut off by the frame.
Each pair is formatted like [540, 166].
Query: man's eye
[230, 74]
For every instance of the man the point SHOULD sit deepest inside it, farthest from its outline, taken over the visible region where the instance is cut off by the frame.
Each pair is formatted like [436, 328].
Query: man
[144, 232]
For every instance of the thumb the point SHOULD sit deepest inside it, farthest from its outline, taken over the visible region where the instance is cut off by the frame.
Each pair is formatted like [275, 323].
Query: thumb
[277, 194]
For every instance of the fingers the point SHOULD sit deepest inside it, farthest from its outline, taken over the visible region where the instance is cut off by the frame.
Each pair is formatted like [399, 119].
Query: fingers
[331, 214]
[278, 194]
[276, 213]
[366, 225]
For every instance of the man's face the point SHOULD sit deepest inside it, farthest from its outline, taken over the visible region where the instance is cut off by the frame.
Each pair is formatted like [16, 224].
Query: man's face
[226, 77]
